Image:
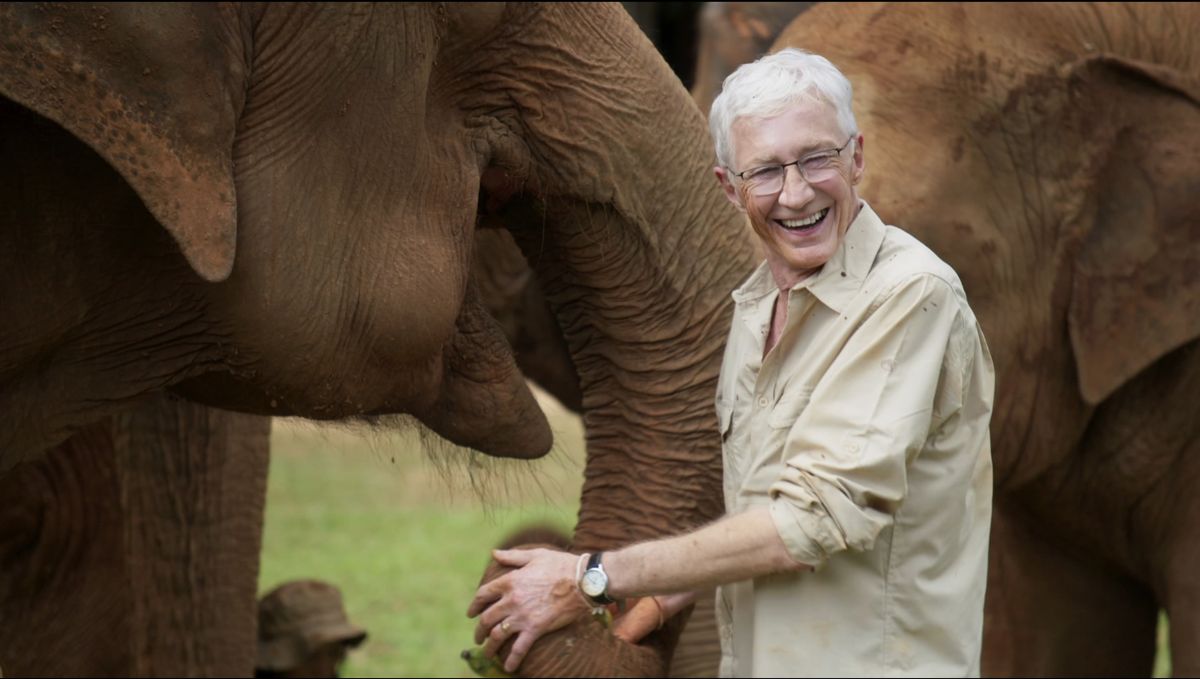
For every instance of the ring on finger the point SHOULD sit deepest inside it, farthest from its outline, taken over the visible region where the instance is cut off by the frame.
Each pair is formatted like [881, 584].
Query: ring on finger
[505, 626]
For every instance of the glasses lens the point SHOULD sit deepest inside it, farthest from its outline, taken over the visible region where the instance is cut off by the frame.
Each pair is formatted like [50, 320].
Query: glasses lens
[767, 182]
[822, 174]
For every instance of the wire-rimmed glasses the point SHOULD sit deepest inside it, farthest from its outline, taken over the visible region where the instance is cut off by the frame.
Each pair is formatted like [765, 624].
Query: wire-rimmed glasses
[767, 180]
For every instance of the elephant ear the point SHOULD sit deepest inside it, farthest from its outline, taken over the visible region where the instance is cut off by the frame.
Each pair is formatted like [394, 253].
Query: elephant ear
[1136, 286]
[146, 86]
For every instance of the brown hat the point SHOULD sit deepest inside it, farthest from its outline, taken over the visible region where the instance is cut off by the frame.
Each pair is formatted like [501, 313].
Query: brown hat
[298, 617]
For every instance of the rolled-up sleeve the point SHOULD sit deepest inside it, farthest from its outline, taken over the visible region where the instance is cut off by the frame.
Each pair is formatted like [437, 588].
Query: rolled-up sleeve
[846, 453]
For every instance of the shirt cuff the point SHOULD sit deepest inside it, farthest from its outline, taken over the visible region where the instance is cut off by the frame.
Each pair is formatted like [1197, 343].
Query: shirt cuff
[810, 535]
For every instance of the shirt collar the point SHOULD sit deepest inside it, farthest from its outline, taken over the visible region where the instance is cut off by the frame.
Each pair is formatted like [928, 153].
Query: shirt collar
[841, 277]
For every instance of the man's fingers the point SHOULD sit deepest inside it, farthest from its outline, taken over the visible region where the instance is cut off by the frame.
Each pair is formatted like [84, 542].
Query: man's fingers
[493, 616]
[485, 595]
[517, 653]
[514, 557]
[497, 636]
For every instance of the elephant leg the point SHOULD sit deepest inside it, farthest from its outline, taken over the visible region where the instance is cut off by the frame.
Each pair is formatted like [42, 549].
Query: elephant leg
[1050, 612]
[132, 548]
[194, 484]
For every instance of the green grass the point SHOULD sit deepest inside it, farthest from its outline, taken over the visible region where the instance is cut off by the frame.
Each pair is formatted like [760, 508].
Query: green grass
[405, 536]
[1162, 660]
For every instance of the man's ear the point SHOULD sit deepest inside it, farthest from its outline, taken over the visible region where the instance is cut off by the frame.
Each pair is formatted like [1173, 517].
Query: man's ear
[723, 178]
[859, 161]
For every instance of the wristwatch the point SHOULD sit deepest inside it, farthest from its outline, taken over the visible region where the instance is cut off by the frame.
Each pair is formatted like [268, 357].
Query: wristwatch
[594, 582]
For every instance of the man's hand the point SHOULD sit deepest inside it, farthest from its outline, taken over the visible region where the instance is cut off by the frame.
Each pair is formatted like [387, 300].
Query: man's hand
[540, 596]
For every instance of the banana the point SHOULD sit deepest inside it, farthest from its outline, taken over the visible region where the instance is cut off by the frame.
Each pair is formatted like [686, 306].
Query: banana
[483, 665]
[604, 615]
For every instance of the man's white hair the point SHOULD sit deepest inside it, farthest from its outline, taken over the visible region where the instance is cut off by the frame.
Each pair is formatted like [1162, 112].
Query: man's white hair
[768, 86]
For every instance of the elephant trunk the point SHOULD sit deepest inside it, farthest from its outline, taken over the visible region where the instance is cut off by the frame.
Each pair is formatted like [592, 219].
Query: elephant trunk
[637, 251]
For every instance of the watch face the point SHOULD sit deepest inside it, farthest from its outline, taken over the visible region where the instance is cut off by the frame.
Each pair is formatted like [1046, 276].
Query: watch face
[594, 583]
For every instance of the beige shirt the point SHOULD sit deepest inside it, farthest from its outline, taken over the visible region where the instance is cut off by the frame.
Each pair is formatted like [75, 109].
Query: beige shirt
[865, 432]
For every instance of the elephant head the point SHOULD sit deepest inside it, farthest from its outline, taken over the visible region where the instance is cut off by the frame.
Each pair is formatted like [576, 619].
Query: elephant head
[324, 198]
[272, 209]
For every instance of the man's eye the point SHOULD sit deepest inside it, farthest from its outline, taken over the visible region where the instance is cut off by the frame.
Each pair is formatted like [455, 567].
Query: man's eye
[760, 173]
[818, 161]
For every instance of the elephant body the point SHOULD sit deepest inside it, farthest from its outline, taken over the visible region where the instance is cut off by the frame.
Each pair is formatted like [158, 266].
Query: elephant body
[273, 209]
[1048, 153]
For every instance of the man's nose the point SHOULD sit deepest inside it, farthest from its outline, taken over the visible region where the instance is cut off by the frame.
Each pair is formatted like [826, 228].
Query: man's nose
[796, 190]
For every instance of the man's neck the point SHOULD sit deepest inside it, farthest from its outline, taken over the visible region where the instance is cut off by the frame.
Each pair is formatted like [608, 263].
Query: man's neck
[786, 277]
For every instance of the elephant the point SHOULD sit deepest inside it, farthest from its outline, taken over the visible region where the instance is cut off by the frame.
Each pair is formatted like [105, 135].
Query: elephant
[271, 210]
[1049, 152]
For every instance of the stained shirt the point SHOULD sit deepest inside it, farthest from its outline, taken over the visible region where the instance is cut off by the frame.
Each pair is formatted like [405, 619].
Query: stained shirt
[865, 433]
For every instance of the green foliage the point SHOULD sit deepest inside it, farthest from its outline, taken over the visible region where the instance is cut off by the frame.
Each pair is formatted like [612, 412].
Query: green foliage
[404, 536]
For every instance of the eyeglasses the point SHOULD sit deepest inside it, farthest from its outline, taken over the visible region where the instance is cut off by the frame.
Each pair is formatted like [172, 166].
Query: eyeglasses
[767, 180]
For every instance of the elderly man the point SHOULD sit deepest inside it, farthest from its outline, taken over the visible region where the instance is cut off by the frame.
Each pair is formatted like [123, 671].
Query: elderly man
[854, 402]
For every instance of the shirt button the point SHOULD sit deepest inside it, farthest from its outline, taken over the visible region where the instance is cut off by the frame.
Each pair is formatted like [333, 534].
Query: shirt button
[762, 402]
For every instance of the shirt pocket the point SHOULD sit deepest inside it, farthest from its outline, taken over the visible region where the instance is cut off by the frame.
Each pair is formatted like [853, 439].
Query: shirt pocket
[789, 407]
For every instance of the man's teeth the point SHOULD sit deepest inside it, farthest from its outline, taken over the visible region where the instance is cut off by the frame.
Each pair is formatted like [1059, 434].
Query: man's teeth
[801, 223]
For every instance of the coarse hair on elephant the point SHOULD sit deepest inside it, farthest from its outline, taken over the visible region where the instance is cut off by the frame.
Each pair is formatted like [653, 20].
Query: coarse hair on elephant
[272, 209]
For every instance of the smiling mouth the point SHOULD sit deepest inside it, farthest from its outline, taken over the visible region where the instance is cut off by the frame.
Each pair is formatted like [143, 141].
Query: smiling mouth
[803, 224]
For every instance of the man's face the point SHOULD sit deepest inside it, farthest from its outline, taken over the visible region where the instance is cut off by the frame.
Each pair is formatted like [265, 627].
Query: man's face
[800, 248]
